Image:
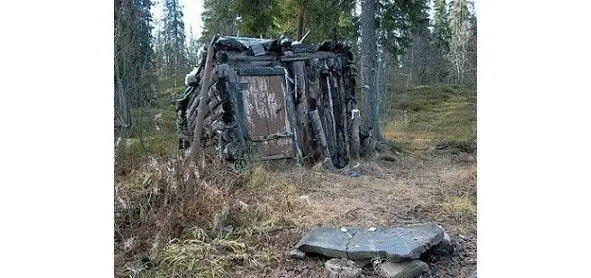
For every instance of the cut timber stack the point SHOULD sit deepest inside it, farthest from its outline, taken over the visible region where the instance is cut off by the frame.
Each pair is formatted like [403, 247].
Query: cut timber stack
[261, 99]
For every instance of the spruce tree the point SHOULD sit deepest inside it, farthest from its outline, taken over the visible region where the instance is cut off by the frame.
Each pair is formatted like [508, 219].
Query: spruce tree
[133, 59]
[218, 18]
[173, 36]
[441, 26]
[256, 17]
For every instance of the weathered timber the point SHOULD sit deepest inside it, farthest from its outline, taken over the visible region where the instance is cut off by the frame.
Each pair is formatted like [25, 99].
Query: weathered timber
[319, 133]
[327, 115]
[206, 83]
[344, 119]
[269, 99]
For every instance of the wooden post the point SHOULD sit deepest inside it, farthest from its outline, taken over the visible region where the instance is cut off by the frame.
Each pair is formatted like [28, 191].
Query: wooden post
[319, 133]
[302, 106]
[329, 128]
[206, 82]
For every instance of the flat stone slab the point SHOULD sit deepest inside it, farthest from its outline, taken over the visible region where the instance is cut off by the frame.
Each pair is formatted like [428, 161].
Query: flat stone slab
[327, 241]
[394, 243]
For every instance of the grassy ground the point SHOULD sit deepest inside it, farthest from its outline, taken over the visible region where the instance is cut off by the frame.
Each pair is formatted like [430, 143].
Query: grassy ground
[430, 116]
[153, 135]
[174, 222]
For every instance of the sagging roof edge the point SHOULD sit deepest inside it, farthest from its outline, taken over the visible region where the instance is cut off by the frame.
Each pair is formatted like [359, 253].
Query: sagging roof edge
[264, 49]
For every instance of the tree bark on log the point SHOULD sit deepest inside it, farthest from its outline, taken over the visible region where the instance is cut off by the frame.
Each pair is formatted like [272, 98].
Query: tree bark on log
[319, 133]
[328, 113]
[368, 72]
[302, 106]
[206, 82]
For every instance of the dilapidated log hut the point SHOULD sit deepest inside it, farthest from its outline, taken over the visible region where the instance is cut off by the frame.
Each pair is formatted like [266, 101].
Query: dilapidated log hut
[262, 99]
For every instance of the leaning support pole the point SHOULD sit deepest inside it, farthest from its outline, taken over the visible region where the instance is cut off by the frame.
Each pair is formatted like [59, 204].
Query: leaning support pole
[319, 134]
[206, 82]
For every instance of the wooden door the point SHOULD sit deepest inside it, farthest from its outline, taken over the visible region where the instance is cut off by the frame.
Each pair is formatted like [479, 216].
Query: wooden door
[266, 116]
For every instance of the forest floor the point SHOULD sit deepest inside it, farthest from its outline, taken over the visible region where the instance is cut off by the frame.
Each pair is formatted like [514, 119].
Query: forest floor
[245, 224]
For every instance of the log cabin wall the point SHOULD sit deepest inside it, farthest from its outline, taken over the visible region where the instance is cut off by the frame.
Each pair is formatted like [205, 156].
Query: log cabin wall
[271, 100]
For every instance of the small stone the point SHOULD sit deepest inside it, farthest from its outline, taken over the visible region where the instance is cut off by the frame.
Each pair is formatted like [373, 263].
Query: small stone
[296, 254]
[228, 228]
[341, 268]
[406, 269]
[372, 229]
[445, 247]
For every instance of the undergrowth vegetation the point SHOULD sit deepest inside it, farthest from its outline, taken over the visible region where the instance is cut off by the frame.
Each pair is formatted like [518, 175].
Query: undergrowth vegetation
[432, 116]
[174, 221]
[152, 135]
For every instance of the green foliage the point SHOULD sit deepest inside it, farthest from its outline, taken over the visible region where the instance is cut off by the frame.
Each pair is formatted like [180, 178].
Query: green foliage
[218, 18]
[440, 26]
[133, 50]
[397, 20]
[256, 17]
[152, 135]
[325, 20]
[173, 37]
[331, 19]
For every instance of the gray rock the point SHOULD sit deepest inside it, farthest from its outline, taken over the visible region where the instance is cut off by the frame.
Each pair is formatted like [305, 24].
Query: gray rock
[327, 241]
[341, 268]
[473, 274]
[394, 243]
[407, 269]
[445, 247]
[296, 254]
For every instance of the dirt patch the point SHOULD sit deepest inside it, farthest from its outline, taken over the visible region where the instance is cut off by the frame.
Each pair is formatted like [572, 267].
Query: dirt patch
[424, 187]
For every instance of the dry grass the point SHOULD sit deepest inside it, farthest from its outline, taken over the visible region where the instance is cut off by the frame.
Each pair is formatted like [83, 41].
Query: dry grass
[172, 221]
[247, 222]
[185, 224]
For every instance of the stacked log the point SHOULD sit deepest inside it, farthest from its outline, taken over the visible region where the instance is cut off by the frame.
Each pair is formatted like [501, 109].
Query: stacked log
[322, 115]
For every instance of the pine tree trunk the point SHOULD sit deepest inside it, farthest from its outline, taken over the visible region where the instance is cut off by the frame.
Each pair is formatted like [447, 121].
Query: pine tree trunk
[368, 74]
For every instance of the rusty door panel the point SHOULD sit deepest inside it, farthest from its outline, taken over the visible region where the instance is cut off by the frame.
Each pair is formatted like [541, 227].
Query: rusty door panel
[266, 116]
